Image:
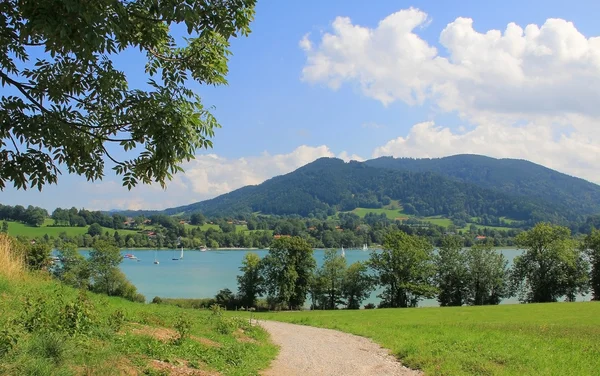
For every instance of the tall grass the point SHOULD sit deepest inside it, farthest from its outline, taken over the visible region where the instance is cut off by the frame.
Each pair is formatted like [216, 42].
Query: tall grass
[12, 264]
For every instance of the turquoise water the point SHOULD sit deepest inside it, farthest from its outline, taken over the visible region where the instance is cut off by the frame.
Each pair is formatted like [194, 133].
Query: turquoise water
[203, 274]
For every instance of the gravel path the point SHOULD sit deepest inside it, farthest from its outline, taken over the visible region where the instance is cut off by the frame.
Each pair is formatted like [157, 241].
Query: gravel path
[314, 351]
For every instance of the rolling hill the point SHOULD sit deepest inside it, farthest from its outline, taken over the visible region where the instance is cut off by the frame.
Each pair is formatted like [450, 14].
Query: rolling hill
[511, 176]
[459, 186]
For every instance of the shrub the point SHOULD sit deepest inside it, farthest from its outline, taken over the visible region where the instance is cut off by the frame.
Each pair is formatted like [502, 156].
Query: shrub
[116, 320]
[183, 326]
[8, 339]
[370, 306]
[77, 315]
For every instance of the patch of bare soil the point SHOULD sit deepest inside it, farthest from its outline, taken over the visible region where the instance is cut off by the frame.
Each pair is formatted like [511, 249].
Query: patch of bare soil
[166, 334]
[179, 368]
[241, 336]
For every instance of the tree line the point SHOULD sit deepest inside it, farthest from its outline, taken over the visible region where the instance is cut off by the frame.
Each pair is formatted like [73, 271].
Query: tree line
[408, 269]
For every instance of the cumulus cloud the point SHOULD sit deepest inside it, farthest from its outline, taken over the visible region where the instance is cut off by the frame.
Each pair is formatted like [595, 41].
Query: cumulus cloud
[535, 142]
[205, 177]
[545, 69]
[525, 92]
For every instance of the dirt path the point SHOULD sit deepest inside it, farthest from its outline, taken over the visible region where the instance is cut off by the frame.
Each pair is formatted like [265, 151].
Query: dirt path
[314, 351]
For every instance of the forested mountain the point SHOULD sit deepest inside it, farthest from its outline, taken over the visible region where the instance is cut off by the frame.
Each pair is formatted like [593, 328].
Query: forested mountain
[328, 185]
[510, 176]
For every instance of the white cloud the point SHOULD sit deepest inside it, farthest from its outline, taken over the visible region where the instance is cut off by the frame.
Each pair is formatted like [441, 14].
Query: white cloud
[305, 43]
[534, 142]
[547, 69]
[526, 92]
[205, 177]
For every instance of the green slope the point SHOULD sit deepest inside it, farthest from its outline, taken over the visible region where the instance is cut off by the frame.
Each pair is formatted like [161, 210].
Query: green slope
[32, 343]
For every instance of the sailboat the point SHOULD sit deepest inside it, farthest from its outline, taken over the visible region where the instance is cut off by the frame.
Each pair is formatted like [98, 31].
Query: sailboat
[156, 258]
[181, 255]
[343, 252]
[365, 247]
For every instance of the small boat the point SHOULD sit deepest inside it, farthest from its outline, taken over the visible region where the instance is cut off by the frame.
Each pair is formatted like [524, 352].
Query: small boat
[155, 258]
[203, 249]
[180, 256]
[365, 247]
[343, 252]
[130, 256]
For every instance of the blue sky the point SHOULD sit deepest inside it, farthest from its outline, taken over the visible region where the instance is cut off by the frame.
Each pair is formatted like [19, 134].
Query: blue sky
[287, 104]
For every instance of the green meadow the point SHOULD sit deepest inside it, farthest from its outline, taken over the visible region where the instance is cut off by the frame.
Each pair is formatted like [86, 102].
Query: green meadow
[532, 339]
[21, 229]
[46, 330]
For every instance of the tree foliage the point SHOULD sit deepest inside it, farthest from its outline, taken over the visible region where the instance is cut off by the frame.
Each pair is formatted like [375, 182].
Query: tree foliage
[287, 271]
[592, 246]
[250, 283]
[70, 105]
[404, 269]
[452, 272]
[487, 275]
[331, 274]
[551, 267]
[357, 285]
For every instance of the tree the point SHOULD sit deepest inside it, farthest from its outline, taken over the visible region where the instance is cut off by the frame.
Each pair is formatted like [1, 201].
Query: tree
[73, 102]
[104, 262]
[332, 276]
[552, 266]
[38, 256]
[73, 269]
[487, 280]
[197, 219]
[250, 284]
[357, 285]
[4, 227]
[287, 270]
[451, 272]
[592, 246]
[405, 270]
[94, 229]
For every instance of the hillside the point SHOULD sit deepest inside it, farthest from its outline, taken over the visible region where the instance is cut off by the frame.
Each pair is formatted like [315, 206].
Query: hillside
[511, 176]
[49, 328]
[328, 185]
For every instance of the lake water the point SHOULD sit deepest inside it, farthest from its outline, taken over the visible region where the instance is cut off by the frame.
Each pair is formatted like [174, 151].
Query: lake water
[203, 274]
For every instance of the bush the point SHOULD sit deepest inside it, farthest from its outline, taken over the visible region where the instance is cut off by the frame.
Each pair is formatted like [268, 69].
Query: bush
[50, 346]
[8, 339]
[370, 306]
[183, 326]
[116, 320]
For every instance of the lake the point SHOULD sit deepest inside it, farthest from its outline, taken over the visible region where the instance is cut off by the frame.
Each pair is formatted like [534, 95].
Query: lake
[203, 274]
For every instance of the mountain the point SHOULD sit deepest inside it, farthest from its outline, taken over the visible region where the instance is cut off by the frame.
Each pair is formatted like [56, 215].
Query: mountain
[462, 186]
[511, 176]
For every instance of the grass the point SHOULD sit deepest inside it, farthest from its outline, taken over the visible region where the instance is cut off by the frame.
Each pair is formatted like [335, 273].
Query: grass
[21, 229]
[13, 265]
[532, 339]
[206, 226]
[47, 328]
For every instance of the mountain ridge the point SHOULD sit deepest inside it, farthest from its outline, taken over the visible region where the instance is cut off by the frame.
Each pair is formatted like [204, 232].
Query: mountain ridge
[460, 186]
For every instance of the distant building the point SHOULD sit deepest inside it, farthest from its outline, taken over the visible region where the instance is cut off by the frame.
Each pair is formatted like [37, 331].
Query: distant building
[281, 236]
[479, 237]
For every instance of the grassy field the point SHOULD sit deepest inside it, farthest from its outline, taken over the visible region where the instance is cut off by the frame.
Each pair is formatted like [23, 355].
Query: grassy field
[45, 329]
[20, 229]
[533, 339]
[206, 226]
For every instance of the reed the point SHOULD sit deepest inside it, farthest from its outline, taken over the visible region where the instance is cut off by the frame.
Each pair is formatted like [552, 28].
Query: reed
[12, 264]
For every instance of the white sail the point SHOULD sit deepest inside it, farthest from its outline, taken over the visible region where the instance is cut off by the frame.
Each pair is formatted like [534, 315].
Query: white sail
[181, 255]
[156, 258]
[343, 252]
